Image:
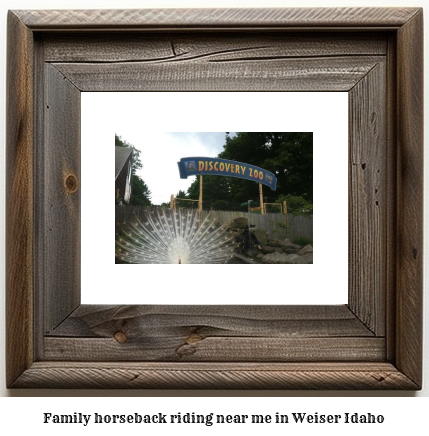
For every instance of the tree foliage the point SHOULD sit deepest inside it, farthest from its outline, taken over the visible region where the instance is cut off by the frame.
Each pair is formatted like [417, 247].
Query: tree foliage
[137, 163]
[184, 204]
[140, 193]
[289, 155]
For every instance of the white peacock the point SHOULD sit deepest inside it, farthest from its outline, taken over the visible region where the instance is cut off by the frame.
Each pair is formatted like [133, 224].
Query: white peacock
[174, 237]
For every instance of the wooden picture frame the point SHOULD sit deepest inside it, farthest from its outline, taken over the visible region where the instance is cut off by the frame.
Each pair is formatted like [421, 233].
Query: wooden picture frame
[373, 342]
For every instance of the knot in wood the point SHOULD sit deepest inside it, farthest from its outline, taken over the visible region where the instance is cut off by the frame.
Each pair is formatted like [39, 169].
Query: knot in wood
[120, 337]
[71, 183]
[193, 338]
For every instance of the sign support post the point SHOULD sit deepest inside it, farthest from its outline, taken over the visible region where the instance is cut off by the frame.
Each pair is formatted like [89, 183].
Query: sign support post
[261, 199]
[200, 201]
[285, 212]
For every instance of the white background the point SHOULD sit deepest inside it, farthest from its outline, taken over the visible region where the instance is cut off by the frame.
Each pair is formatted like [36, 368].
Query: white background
[18, 414]
[323, 113]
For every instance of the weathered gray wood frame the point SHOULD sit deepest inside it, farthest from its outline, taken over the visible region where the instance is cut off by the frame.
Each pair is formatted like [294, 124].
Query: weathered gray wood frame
[374, 342]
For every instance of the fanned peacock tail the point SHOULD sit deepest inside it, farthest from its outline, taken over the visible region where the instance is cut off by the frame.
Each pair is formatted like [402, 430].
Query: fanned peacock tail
[174, 238]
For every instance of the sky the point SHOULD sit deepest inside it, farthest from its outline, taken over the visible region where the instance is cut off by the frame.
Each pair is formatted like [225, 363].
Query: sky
[160, 152]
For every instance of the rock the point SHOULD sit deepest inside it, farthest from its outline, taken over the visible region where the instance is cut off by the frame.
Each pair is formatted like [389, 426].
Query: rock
[261, 236]
[273, 242]
[237, 223]
[279, 258]
[250, 252]
[278, 250]
[240, 223]
[307, 249]
[290, 250]
[267, 249]
[306, 258]
[288, 244]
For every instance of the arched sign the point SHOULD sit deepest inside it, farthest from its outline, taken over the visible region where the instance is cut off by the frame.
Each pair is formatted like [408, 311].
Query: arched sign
[194, 166]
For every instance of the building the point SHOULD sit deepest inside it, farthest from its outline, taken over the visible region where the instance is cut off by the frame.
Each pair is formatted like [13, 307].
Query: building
[123, 171]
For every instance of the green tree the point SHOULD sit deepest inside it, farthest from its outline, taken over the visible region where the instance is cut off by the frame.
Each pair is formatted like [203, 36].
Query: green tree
[291, 159]
[184, 204]
[289, 155]
[140, 193]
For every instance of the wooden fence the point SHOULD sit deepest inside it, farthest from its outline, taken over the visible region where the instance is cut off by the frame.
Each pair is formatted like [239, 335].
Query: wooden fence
[272, 223]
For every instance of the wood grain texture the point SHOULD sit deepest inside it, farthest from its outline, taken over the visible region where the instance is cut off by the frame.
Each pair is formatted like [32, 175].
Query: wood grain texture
[99, 321]
[61, 207]
[316, 376]
[368, 202]
[193, 348]
[40, 264]
[170, 47]
[289, 18]
[409, 280]
[391, 191]
[19, 200]
[213, 333]
[301, 74]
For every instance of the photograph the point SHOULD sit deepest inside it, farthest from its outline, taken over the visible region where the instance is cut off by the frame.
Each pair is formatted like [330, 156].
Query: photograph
[251, 203]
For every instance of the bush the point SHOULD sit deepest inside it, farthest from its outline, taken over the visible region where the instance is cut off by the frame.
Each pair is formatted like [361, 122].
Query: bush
[296, 205]
[302, 240]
